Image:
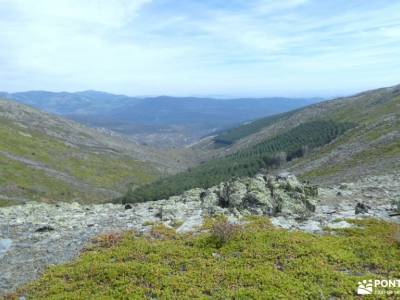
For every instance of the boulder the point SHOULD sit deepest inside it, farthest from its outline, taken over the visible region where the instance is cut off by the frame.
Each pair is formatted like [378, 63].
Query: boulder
[268, 195]
[258, 195]
[232, 193]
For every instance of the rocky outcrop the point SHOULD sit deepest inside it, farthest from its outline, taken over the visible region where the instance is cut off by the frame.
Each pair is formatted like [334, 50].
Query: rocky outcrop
[267, 195]
[259, 195]
[36, 235]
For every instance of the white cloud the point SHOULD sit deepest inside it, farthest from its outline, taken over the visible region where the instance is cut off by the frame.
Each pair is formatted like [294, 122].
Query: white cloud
[273, 6]
[96, 12]
[192, 47]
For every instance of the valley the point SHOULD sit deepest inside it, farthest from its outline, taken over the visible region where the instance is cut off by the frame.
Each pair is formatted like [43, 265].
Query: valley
[50, 159]
[82, 197]
[161, 122]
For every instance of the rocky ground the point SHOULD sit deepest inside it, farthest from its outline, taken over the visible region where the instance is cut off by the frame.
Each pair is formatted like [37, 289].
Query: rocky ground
[34, 235]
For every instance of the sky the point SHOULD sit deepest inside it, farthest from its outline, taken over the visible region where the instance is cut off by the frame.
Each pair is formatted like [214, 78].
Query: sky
[220, 48]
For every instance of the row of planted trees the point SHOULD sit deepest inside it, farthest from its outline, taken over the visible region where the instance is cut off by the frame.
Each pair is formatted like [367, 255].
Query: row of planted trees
[268, 154]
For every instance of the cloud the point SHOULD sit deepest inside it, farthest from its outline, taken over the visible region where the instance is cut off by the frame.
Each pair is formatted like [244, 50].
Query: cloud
[252, 47]
[96, 12]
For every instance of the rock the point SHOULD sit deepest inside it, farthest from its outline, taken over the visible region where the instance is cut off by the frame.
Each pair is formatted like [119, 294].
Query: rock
[311, 226]
[190, 224]
[361, 208]
[283, 175]
[232, 193]
[282, 222]
[128, 206]
[5, 244]
[191, 195]
[339, 225]
[290, 183]
[216, 255]
[268, 195]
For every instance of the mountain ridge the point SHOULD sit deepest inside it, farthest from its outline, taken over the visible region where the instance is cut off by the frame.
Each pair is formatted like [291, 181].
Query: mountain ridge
[162, 121]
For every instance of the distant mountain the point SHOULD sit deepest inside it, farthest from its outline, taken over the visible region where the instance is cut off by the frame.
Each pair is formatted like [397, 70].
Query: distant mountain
[48, 158]
[63, 103]
[158, 121]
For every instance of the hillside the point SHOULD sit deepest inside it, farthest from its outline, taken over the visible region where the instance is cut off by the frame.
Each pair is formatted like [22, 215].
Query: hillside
[375, 114]
[326, 142]
[50, 159]
[162, 122]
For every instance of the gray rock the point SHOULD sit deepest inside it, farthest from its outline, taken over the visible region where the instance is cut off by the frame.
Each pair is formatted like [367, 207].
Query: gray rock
[311, 226]
[5, 244]
[268, 195]
[339, 225]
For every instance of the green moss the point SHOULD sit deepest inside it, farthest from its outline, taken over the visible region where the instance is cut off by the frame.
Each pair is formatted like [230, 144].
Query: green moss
[262, 262]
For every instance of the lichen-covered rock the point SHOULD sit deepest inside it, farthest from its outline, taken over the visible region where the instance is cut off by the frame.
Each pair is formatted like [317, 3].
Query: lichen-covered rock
[232, 193]
[268, 195]
[191, 195]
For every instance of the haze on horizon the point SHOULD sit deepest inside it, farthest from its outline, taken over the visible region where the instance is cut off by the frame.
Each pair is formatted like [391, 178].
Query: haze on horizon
[296, 48]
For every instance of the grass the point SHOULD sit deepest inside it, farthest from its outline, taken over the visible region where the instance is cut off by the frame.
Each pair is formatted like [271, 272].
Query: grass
[370, 155]
[112, 171]
[259, 262]
[373, 126]
[5, 202]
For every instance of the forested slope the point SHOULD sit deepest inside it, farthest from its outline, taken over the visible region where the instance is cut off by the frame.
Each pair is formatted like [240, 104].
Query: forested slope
[269, 154]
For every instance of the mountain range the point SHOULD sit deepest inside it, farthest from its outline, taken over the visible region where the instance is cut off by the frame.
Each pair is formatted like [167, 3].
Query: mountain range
[51, 158]
[162, 122]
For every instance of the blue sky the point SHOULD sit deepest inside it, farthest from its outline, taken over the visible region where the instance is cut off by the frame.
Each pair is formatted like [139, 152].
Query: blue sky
[204, 47]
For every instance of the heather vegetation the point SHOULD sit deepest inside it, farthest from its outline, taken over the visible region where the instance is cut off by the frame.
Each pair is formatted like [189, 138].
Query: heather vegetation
[257, 262]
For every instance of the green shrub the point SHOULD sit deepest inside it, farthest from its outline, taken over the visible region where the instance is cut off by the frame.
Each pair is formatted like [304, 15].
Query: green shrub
[264, 263]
